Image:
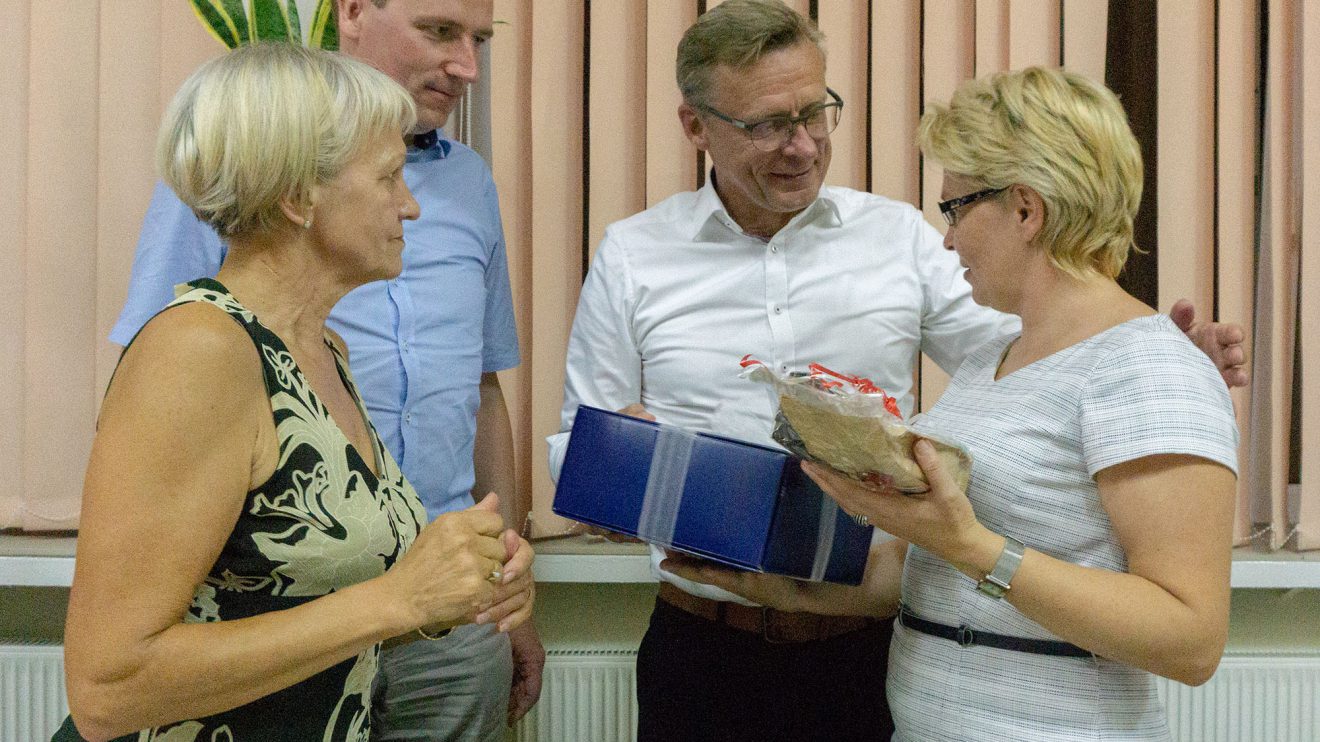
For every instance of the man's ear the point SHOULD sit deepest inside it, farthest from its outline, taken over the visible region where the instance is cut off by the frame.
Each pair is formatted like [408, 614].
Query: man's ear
[350, 18]
[693, 127]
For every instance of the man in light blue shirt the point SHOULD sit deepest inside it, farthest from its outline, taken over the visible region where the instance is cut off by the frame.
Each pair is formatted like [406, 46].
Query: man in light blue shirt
[424, 348]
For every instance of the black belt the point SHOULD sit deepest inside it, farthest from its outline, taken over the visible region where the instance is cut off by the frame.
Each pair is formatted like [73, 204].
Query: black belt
[966, 637]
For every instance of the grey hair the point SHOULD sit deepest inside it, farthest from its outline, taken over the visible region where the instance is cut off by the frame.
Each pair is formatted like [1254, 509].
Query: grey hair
[738, 33]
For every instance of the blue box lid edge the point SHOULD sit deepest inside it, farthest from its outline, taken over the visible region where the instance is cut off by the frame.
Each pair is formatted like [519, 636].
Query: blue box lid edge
[702, 553]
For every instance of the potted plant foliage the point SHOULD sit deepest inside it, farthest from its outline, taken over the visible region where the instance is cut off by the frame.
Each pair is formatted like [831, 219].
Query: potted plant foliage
[235, 22]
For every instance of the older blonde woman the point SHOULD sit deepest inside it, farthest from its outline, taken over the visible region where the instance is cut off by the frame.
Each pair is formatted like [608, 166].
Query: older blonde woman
[1091, 547]
[247, 541]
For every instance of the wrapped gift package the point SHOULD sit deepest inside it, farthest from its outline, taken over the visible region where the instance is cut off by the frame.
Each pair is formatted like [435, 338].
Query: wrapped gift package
[738, 503]
[848, 423]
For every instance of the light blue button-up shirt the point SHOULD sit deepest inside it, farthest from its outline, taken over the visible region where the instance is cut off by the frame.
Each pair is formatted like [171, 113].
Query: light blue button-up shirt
[418, 343]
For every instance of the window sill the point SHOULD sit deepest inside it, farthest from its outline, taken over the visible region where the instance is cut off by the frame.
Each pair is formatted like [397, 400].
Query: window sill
[47, 561]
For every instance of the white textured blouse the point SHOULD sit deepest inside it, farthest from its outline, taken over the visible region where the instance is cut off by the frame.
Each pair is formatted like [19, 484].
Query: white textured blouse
[1037, 438]
[677, 294]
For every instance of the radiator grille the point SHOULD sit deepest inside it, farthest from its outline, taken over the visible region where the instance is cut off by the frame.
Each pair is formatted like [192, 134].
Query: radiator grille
[590, 695]
[32, 701]
[1269, 698]
[585, 695]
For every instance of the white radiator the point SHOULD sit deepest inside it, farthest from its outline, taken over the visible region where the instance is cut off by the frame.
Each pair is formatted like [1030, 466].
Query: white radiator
[589, 695]
[1252, 698]
[32, 703]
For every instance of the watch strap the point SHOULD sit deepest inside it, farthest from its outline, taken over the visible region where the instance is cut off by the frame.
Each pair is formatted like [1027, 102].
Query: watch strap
[999, 581]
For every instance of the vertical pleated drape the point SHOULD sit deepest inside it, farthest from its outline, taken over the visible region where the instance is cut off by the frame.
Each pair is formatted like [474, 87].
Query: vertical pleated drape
[1307, 518]
[82, 87]
[583, 131]
[1283, 485]
[1236, 140]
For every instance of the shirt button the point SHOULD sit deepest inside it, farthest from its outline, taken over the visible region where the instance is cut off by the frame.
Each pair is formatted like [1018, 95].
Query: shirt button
[408, 418]
[778, 310]
[774, 248]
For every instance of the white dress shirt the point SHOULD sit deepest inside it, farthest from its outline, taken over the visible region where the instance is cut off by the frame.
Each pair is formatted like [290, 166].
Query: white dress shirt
[678, 294]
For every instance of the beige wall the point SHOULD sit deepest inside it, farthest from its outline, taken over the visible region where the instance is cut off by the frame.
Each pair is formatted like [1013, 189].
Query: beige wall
[584, 132]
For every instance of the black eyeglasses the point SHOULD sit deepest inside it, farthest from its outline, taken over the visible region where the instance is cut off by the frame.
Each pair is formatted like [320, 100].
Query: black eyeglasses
[772, 133]
[949, 209]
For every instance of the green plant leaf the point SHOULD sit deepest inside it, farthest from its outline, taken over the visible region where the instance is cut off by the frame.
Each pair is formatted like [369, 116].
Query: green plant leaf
[217, 22]
[324, 33]
[295, 26]
[233, 10]
[269, 19]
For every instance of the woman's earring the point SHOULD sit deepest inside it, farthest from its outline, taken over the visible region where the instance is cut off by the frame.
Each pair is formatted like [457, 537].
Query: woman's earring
[307, 223]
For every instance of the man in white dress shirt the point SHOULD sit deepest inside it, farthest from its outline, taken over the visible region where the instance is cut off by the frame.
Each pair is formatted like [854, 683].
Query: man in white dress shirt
[764, 259]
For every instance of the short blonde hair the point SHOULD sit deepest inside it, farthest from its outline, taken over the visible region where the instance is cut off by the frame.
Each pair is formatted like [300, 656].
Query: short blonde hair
[1064, 136]
[267, 122]
[737, 33]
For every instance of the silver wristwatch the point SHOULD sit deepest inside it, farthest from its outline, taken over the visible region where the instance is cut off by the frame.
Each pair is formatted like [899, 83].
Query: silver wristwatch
[997, 583]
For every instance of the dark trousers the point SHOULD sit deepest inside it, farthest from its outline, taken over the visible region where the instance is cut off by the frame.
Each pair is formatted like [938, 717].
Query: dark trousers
[699, 680]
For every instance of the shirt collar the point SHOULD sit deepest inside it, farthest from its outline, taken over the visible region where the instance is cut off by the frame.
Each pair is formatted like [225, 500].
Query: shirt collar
[430, 145]
[712, 219]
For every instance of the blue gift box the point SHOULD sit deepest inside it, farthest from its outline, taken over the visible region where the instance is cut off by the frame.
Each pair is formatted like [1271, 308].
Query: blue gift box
[730, 501]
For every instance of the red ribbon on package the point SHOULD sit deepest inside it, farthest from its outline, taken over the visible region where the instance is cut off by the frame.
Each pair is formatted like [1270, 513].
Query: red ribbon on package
[831, 379]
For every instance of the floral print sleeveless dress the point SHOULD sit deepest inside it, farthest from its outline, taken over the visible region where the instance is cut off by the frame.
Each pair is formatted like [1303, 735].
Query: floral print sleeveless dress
[323, 521]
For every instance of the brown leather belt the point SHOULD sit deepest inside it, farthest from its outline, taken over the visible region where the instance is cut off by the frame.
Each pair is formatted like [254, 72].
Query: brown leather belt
[774, 626]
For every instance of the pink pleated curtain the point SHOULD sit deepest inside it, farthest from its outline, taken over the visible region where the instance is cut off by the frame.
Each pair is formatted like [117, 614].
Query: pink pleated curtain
[583, 131]
[82, 88]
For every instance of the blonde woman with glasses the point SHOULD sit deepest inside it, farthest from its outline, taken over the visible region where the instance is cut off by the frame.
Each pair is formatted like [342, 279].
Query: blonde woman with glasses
[1091, 548]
